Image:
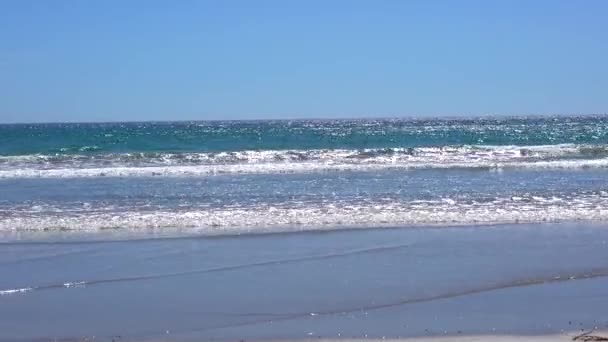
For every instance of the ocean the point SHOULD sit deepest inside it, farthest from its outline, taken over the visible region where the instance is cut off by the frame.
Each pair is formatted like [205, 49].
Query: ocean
[186, 231]
[236, 177]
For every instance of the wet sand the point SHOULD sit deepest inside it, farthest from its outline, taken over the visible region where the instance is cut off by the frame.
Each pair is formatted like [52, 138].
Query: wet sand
[467, 283]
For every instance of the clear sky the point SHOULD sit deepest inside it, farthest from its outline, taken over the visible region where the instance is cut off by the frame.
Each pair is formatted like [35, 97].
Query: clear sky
[165, 60]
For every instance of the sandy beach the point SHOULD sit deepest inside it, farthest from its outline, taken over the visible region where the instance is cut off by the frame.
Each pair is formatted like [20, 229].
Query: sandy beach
[452, 284]
[591, 336]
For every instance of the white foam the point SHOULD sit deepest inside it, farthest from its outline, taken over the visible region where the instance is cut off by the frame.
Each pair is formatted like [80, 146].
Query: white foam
[75, 284]
[275, 168]
[325, 216]
[300, 161]
[14, 291]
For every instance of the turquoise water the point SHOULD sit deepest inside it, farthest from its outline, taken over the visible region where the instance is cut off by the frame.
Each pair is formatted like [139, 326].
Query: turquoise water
[298, 135]
[257, 176]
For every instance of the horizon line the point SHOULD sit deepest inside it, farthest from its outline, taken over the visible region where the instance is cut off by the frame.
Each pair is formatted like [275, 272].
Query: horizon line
[344, 118]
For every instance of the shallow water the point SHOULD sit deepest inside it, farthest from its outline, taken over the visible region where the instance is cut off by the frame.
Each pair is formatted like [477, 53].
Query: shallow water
[293, 202]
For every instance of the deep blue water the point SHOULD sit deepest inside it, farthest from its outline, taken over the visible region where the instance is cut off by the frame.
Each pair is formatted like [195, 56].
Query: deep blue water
[253, 176]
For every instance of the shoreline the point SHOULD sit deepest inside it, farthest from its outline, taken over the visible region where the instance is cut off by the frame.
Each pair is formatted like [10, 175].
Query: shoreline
[127, 235]
[598, 335]
[527, 280]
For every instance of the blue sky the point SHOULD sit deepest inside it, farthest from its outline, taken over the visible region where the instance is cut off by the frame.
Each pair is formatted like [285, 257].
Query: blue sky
[167, 60]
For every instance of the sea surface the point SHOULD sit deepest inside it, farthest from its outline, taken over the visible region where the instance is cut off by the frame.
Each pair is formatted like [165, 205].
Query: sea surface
[234, 177]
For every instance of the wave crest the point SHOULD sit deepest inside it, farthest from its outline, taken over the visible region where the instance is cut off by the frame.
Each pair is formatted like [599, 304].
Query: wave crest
[295, 161]
[270, 218]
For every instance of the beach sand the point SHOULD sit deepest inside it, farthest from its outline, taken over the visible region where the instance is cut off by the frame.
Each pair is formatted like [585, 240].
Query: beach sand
[588, 336]
[544, 282]
[591, 336]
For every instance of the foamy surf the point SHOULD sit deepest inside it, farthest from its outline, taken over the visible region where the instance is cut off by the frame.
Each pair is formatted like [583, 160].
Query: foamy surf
[239, 177]
[310, 217]
[15, 291]
[564, 156]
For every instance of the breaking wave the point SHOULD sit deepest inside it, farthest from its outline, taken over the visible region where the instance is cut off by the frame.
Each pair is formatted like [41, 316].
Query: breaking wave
[268, 218]
[563, 156]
